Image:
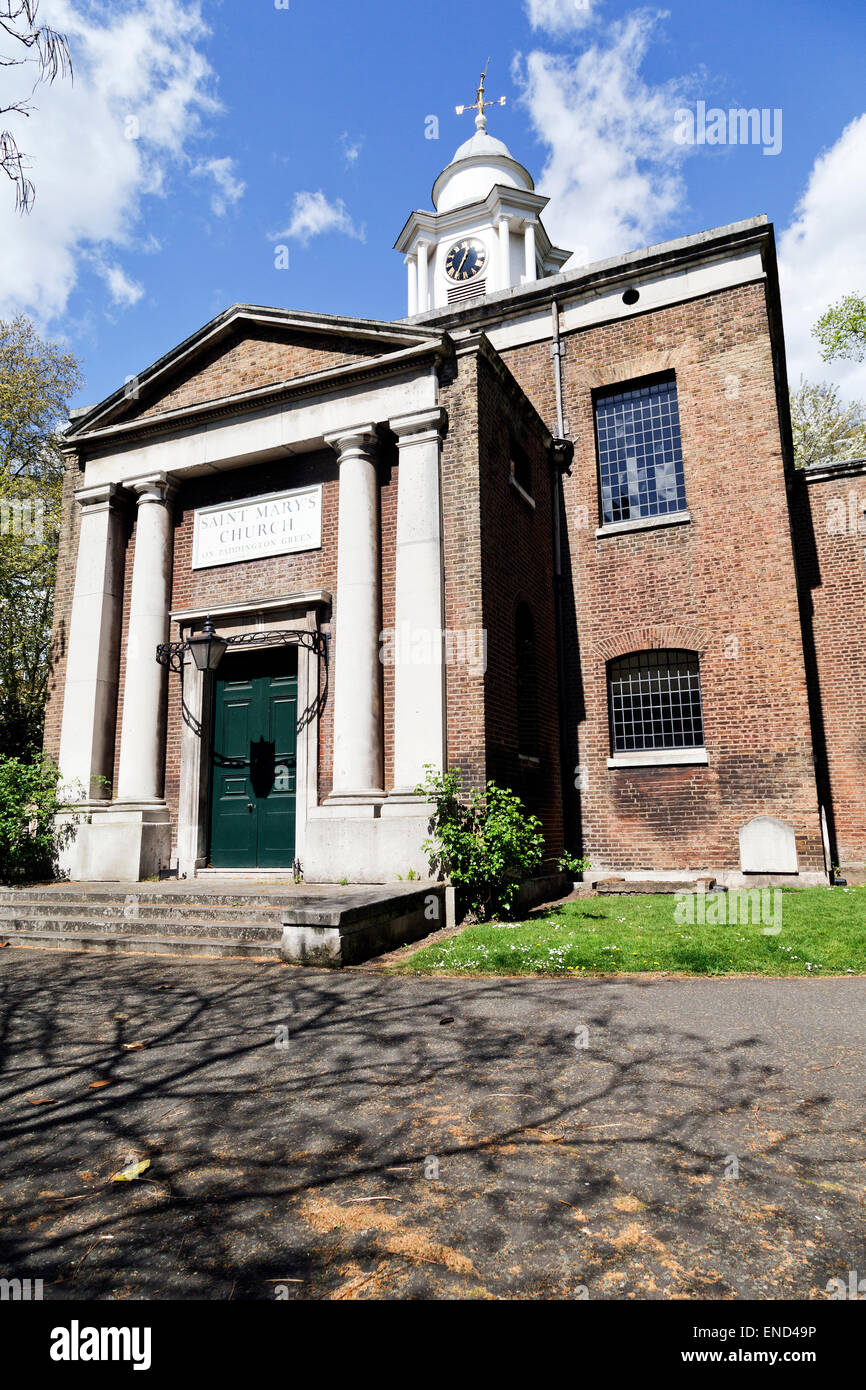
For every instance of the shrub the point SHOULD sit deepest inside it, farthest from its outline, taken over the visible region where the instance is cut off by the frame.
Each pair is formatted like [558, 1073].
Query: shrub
[29, 800]
[569, 864]
[486, 843]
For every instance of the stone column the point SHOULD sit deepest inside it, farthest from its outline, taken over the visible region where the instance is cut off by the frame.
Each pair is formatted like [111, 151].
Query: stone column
[529, 253]
[412, 268]
[504, 254]
[423, 278]
[419, 612]
[90, 696]
[142, 740]
[358, 731]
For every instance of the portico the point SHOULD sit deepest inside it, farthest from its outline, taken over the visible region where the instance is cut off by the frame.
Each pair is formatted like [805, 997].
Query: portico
[117, 727]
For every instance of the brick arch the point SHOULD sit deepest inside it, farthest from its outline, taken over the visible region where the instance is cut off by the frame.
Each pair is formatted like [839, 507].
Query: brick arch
[595, 374]
[658, 637]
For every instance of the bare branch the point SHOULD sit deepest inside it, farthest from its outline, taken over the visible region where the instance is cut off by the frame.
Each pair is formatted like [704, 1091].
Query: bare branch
[52, 58]
[14, 163]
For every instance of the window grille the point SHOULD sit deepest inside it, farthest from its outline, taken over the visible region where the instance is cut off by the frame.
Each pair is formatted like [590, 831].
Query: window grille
[655, 701]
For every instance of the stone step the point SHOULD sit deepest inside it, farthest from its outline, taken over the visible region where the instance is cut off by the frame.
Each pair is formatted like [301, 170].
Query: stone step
[161, 911]
[275, 901]
[76, 925]
[156, 945]
[630, 887]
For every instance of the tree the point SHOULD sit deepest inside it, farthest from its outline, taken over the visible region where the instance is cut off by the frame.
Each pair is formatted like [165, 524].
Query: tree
[842, 330]
[47, 52]
[36, 379]
[824, 427]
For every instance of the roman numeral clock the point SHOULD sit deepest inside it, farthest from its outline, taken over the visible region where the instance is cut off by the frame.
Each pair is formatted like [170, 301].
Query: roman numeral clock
[466, 259]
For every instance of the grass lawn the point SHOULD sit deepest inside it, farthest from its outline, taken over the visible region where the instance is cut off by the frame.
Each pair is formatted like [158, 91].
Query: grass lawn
[823, 932]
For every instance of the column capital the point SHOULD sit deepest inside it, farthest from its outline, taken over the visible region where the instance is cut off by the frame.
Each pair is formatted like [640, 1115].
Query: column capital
[154, 487]
[360, 439]
[421, 423]
[102, 498]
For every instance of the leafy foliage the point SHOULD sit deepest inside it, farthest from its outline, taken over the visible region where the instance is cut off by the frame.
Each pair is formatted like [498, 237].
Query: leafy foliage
[570, 864]
[824, 427]
[36, 378]
[842, 330]
[30, 798]
[486, 843]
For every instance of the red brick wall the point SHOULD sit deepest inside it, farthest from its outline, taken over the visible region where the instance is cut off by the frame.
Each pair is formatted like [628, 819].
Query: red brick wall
[260, 357]
[723, 584]
[464, 612]
[67, 555]
[517, 567]
[831, 543]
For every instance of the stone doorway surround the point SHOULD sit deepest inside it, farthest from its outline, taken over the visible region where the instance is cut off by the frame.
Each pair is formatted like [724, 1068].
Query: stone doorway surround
[300, 612]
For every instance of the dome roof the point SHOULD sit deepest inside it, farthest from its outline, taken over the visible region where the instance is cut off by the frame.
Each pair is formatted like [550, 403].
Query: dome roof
[481, 144]
[478, 165]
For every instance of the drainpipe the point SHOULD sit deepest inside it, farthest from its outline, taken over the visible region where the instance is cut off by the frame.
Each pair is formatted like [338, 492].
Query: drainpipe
[563, 453]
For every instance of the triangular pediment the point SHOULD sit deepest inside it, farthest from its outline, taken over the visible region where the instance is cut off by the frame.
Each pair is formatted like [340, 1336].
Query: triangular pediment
[244, 351]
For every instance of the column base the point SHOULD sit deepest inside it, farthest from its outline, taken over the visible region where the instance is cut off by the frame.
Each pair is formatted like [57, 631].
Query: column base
[380, 844]
[118, 842]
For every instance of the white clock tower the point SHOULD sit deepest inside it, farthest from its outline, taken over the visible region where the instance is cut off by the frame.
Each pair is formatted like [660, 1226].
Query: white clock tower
[486, 233]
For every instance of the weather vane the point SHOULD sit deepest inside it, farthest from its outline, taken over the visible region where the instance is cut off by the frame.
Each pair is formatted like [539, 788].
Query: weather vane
[479, 104]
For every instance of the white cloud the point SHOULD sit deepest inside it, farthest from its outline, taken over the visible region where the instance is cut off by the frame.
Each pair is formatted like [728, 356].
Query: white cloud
[313, 215]
[822, 256]
[100, 145]
[229, 189]
[561, 16]
[124, 291]
[613, 172]
[351, 148]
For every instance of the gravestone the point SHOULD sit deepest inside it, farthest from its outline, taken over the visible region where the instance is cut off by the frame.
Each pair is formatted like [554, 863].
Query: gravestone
[768, 846]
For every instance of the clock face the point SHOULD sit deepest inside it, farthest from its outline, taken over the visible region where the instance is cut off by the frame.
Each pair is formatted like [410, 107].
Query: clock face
[466, 259]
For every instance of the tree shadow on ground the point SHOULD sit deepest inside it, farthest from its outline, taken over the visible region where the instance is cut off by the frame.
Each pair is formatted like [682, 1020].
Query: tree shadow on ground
[321, 1135]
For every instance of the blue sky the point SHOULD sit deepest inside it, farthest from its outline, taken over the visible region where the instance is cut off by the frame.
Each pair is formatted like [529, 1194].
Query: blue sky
[198, 135]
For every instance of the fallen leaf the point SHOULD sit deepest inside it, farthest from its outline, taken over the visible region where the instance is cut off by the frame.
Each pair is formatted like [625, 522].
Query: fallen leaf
[94, 1085]
[41, 1100]
[134, 1171]
[133, 1047]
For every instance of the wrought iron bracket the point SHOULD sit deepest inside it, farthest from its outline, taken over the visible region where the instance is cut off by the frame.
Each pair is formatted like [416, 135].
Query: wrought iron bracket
[173, 654]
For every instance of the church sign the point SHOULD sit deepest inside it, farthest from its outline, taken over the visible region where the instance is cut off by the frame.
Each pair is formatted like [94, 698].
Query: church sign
[275, 524]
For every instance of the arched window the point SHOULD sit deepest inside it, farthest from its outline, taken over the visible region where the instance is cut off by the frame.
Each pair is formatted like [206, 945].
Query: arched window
[655, 701]
[527, 684]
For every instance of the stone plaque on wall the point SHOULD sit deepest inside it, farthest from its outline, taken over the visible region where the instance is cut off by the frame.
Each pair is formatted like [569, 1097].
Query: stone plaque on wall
[277, 523]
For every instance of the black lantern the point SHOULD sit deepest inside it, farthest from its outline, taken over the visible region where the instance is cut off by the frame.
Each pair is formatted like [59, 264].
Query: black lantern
[207, 649]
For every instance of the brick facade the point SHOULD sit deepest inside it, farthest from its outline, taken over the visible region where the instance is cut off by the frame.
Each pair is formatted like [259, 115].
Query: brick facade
[776, 670]
[829, 507]
[722, 585]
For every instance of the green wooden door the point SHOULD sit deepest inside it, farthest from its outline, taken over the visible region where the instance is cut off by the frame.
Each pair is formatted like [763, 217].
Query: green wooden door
[254, 761]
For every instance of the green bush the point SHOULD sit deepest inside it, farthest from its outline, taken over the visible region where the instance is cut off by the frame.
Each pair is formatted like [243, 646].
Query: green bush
[569, 864]
[486, 843]
[29, 837]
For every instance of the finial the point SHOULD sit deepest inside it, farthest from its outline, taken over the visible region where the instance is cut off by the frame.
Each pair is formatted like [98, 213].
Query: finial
[479, 104]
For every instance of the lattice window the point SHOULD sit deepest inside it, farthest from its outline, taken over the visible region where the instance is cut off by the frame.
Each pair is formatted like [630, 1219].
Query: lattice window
[640, 452]
[655, 701]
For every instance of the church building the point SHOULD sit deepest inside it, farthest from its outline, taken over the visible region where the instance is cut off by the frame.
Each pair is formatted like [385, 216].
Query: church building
[545, 529]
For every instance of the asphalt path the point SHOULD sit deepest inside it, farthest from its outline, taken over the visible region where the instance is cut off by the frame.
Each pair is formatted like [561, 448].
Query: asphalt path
[326, 1135]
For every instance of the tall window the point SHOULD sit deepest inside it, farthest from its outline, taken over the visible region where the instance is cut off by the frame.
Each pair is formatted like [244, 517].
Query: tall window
[655, 701]
[640, 454]
[527, 682]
